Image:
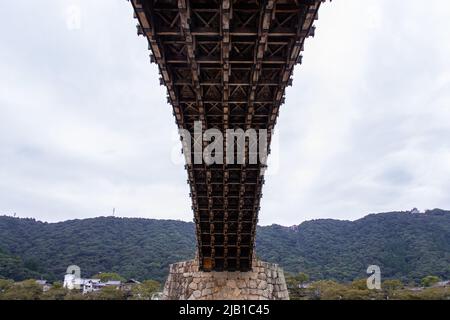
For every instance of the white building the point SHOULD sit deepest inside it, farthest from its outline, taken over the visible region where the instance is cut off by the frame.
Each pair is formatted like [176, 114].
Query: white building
[72, 282]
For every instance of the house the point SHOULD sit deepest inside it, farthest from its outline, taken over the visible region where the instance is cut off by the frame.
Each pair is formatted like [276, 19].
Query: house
[72, 282]
[91, 285]
[132, 281]
[129, 284]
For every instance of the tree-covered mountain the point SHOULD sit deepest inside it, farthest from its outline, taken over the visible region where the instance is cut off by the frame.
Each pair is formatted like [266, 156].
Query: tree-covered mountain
[14, 268]
[135, 248]
[405, 245]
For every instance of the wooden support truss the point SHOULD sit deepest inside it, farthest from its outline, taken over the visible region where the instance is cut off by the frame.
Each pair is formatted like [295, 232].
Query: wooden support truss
[226, 63]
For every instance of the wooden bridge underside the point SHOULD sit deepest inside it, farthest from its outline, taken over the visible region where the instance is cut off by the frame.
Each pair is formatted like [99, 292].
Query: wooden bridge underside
[227, 64]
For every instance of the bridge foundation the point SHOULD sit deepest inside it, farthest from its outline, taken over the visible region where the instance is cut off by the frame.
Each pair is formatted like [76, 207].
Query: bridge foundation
[265, 282]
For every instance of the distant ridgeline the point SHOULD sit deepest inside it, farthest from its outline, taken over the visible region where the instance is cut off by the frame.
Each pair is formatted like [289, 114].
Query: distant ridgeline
[406, 246]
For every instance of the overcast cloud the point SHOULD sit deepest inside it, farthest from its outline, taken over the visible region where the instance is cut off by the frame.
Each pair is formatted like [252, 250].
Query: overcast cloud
[85, 127]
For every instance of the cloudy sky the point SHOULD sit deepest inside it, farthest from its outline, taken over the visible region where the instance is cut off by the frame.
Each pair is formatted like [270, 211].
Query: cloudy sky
[85, 127]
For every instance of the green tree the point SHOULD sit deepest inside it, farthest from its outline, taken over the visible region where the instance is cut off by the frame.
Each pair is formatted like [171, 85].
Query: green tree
[25, 290]
[434, 294]
[302, 278]
[359, 284]
[391, 288]
[75, 295]
[109, 276]
[358, 290]
[108, 293]
[429, 281]
[56, 292]
[294, 281]
[145, 290]
[5, 285]
[326, 290]
[392, 285]
[349, 293]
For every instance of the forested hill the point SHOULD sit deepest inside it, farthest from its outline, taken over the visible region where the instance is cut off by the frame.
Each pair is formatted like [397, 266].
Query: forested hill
[405, 245]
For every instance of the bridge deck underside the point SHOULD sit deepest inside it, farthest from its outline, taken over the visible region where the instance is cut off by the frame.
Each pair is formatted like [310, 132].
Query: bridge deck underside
[227, 64]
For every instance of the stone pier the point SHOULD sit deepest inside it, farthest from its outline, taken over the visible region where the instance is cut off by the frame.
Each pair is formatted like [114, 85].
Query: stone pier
[265, 282]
